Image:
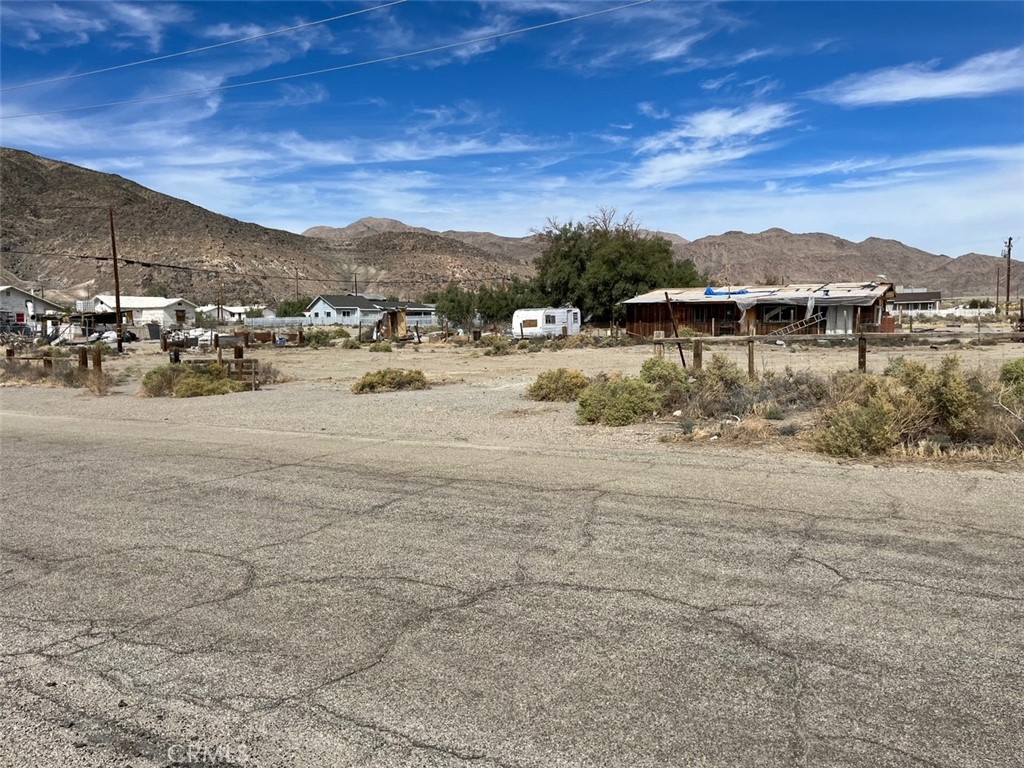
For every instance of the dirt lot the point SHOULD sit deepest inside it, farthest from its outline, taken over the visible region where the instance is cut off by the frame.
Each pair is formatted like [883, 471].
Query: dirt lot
[450, 363]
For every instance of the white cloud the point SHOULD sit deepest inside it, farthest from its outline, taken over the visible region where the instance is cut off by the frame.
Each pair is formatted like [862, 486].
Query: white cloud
[46, 26]
[705, 140]
[647, 109]
[990, 73]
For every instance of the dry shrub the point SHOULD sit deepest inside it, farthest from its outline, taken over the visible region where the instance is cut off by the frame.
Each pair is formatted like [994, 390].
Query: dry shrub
[318, 337]
[176, 380]
[389, 380]
[919, 411]
[351, 343]
[269, 374]
[561, 385]
[380, 346]
[617, 402]
[200, 385]
[160, 381]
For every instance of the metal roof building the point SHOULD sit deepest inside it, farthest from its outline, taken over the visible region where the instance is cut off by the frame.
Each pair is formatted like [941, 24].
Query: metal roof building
[811, 308]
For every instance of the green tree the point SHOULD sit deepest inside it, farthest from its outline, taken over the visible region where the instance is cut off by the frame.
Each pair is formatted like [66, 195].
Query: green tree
[456, 305]
[596, 265]
[293, 307]
[497, 304]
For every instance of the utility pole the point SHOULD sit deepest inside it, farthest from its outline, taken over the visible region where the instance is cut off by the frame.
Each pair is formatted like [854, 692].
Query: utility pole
[117, 283]
[1008, 251]
[296, 283]
[355, 284]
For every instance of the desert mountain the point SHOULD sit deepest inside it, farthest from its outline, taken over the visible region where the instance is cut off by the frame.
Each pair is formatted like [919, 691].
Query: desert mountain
[778, 256]
[54, 226]
[52, 214]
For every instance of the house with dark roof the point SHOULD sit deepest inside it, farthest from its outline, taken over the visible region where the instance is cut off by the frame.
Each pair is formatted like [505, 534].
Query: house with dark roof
[915, 300]
[395, 318]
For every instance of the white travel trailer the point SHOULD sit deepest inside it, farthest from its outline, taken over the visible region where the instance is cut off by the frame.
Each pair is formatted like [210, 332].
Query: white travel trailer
[545, 322]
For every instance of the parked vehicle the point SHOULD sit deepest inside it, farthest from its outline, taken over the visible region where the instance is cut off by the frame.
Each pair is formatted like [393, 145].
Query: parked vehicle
[545, 322]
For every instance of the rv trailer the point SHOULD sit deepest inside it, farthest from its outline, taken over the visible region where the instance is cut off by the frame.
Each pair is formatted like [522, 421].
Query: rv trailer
[545, 322]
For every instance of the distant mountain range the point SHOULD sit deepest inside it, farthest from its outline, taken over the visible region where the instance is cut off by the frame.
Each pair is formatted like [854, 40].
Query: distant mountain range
[54, 234]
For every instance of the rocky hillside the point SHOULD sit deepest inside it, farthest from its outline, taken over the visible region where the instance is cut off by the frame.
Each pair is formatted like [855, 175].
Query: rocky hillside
[52, 214]
[778, 256]
[54, 220]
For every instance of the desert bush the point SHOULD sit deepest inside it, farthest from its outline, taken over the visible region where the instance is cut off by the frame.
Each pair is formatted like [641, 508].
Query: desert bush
[851, 429]
[380, 346]
[794, 390]
[499, 346]
[176, 380]
[341, 333]
[195, 384]
[390, 379]
[523, 344]
[617, 402]
[319, 337]
[269, 374]
[160, 381]
[351, 343]
[661, 373]
[563, 385]
[1012, 376]
[959, 400]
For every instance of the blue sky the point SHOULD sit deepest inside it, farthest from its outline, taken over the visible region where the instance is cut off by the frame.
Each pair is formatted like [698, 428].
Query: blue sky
[895, 120]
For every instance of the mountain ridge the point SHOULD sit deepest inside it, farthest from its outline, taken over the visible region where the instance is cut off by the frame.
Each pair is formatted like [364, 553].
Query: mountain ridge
[54, 234]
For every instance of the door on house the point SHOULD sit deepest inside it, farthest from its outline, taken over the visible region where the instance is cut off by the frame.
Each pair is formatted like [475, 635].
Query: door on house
[179, 316]
[839, 320]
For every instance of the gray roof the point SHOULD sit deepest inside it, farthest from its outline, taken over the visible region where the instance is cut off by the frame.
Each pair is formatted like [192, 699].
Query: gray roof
[353, 301]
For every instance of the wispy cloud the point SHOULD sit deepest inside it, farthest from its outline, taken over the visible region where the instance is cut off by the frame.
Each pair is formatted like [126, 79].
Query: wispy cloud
[989, 73]
[647, 109]
[47, 26]
[705, 140]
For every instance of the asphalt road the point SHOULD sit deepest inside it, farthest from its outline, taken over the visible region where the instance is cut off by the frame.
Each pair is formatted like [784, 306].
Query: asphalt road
[192, 595]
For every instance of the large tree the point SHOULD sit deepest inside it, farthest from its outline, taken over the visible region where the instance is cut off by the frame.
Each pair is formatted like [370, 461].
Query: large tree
[456, 305]
[599, 263]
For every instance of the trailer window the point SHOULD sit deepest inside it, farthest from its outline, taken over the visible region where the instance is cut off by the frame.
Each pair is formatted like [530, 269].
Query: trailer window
[575, 317]
[549, 320]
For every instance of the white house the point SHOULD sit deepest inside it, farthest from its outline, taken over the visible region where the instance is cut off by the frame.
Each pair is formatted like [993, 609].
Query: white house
[140, 310]
[356, 309]
[18, 307]
[234, 314]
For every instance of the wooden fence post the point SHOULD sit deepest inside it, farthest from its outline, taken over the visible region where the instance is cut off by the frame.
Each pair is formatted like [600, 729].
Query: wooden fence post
[862, 354]
[239, 353]
[83, 357]
[698, 354]
[750, 358]
[97, 358]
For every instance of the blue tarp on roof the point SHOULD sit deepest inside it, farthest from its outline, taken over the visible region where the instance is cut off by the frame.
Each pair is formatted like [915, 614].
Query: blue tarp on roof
[712, 292]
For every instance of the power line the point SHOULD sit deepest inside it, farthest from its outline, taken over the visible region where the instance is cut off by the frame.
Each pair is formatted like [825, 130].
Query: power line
[249, 39]
[382, 60]
[414, 279]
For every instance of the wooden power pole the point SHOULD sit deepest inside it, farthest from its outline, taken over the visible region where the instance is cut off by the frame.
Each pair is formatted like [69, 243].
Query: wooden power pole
[117, 283]
[1008, 251]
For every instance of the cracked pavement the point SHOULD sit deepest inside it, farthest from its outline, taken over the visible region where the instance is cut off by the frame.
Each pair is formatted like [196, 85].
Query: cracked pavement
[327, 598]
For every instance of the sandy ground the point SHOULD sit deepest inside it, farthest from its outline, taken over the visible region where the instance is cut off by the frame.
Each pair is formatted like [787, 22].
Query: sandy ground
[447, 363]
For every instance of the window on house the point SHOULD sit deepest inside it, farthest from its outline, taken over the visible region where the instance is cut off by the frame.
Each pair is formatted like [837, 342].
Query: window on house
[346, 313]
[316, 314]
[549, 320]
[327, 314]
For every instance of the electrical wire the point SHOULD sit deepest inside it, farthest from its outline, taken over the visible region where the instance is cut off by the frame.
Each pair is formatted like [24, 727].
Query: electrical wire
[382, 60]
[415, 279]
[249, 39]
